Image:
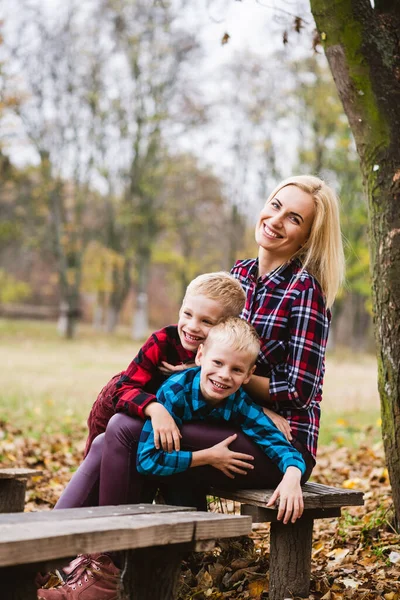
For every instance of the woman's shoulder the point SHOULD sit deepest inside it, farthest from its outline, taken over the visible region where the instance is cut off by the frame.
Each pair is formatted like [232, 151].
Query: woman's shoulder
[303, 279]
[303, 283]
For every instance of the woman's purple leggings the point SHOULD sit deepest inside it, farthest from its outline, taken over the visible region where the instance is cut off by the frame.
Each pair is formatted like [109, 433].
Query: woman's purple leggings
[108, 474]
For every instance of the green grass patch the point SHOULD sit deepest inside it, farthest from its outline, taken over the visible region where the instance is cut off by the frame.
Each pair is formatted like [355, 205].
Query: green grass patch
[50, 384]
[350, 429]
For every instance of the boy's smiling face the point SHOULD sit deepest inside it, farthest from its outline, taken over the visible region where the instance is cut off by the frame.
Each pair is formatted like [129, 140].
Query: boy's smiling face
[223, 370]
[196, 317]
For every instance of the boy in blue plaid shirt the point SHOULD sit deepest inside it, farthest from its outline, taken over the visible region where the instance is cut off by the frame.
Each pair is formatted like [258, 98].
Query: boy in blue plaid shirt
[212, 391]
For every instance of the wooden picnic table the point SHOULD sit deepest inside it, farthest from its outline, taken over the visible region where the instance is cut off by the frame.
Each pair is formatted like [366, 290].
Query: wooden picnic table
[154, 538]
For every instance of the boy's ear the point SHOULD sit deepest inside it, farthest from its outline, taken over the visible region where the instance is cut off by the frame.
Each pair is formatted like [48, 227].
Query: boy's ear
[199, 355]
[250, 373]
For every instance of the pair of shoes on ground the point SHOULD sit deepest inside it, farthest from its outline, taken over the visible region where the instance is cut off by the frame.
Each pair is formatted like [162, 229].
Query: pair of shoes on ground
[89, 577]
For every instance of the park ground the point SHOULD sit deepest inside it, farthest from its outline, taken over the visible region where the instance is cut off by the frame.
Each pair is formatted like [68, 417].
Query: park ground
[48, 386]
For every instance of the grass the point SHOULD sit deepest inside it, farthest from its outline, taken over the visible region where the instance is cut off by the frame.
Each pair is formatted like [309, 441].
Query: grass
[49, 383]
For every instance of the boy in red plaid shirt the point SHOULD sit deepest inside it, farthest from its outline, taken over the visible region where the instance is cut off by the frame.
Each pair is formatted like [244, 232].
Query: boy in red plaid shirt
[208, 298]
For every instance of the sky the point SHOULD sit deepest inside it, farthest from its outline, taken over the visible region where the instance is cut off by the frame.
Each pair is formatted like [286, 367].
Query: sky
[251, 25]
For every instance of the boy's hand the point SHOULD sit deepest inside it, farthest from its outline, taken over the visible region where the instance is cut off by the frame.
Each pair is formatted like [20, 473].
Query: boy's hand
[291, 504]
[227, 461]
[166, 432]
[168, 369]
[280, 422]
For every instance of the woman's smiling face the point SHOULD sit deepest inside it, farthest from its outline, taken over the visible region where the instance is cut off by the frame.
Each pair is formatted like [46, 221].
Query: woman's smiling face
[285, 222]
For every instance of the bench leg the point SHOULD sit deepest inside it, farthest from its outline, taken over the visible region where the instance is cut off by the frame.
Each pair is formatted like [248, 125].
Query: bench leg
[290, 559]
[18, 583]
[152, 573]
[12, 495]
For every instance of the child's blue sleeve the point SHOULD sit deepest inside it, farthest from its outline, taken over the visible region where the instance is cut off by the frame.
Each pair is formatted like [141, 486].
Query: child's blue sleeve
[256, 425]
[153, 461]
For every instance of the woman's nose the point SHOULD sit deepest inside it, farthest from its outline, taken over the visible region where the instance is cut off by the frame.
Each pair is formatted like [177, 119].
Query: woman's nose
[276, 219]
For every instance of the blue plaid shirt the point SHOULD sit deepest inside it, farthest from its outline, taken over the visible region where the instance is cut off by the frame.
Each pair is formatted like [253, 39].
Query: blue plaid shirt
[182, 397]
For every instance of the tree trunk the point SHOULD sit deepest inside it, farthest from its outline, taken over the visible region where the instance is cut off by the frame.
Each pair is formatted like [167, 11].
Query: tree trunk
[68, 318]
[140, 327]
[362, 46]
[121, 286]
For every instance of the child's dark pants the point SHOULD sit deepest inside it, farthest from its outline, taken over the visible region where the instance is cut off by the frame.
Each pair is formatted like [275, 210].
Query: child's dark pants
[112, 461]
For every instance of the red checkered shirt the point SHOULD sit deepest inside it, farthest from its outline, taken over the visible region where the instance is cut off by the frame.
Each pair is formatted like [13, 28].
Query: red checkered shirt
[138, 385]
[132, 390]
[289, 313]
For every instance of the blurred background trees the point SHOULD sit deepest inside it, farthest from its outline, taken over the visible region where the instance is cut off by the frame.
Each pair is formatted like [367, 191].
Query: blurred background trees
[123, 176]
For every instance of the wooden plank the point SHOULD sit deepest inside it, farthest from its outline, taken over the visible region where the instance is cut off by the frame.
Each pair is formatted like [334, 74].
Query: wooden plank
[18, 473]
[40, 541]
[267, 515]
[315, 496]
[90, 513]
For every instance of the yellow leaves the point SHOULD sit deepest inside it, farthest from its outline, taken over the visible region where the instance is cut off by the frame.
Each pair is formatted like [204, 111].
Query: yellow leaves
[258, 587]
[317, 548]
[352, 484]
[392, 596]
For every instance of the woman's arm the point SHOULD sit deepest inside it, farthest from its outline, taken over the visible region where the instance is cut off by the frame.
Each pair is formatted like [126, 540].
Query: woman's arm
[258, 389]
[296, 382]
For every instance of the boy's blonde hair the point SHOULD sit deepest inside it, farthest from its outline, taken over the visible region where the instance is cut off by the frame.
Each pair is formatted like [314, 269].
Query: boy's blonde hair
[322, 254]
[238, 334]
[222, 287]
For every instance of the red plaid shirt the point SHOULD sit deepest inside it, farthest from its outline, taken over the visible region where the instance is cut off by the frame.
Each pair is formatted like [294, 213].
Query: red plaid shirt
[132, 390]
[138, 385]
[292, 321]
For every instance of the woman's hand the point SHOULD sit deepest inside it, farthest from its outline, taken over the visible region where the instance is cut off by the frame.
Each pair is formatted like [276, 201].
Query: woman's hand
[291, 504]
[280, 422]
[227, 461]
[168, 369]
[166, 432]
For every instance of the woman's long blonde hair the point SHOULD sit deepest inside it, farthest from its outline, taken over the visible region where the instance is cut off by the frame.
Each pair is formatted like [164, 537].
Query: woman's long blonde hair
[322, 255]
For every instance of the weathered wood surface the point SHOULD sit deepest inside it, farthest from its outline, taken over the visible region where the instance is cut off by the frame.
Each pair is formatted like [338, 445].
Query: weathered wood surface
[13, 487]
[90, 513]
[268, 515]
[38, 541]
[12, 495]
[18, 472]
[290, 559]
[315, 496]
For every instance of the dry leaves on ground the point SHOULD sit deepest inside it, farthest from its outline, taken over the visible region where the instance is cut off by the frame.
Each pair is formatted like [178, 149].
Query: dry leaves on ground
[354, 557]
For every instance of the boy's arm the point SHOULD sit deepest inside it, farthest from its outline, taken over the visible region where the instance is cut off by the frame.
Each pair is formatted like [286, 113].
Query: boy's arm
[290, 495]
[130, 397]
[255, 424]
[258, 389]
[155, 461]
[262, 430]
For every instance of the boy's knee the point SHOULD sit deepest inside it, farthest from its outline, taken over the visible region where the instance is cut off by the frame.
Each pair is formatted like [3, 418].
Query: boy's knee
[124, 428]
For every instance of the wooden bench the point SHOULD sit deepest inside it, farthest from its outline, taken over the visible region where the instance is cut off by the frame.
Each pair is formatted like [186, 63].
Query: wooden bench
[291, 544]
[155, 538]
[13, 487]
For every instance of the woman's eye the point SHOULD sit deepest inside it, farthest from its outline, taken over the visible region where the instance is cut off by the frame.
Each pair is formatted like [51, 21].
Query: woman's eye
[275, 204]
[187, 314]
[207, 322]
